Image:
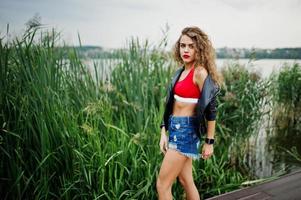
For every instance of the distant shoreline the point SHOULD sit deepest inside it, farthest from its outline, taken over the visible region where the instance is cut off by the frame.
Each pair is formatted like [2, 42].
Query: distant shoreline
[89, 51]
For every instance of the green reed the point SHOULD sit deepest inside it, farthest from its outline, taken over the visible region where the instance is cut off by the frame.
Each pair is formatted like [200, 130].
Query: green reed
[286, 113]
[243, 102]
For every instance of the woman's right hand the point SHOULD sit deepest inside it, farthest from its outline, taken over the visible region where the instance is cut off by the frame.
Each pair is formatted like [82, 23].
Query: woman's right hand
[163, 141]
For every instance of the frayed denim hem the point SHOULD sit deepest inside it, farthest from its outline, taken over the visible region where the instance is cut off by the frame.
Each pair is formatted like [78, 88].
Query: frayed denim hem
[190, 155]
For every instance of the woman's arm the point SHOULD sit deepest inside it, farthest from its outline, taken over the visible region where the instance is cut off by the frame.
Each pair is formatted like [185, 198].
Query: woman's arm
[207, 149]
[211, 129]
[163, 141]
[210, 115]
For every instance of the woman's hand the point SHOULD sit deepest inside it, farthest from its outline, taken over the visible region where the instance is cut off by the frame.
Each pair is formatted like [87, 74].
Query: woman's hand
[163, 141]
[207, 150]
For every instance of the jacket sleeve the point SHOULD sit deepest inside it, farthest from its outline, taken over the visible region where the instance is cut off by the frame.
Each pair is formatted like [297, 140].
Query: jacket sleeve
[211, 109]
[162, 124]
[166, 99]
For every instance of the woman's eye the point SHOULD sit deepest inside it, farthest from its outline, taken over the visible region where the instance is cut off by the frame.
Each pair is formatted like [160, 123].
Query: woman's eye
[191, 46]
[182, 45]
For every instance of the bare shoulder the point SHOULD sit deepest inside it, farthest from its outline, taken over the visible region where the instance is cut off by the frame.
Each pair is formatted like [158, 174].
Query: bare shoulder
[200, 74]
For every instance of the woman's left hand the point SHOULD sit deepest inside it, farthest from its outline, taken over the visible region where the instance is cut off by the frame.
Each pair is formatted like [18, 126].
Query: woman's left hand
[207, 151]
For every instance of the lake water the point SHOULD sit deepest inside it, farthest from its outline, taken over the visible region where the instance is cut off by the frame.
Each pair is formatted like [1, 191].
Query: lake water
[263, 66]
[260, 156]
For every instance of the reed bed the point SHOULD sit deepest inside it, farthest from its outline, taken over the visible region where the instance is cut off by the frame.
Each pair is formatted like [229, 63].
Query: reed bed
[286, 117]
[68, 134]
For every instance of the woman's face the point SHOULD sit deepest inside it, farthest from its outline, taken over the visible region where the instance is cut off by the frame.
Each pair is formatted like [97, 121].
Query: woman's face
[187, 49]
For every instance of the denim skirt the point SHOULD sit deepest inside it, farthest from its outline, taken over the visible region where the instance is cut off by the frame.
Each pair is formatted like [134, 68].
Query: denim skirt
[183, 135]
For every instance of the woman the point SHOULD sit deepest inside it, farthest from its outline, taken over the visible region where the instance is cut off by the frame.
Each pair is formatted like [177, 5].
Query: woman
[190, 103]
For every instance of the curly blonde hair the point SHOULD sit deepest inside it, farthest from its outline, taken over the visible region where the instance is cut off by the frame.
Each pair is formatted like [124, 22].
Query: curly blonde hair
[205, 53]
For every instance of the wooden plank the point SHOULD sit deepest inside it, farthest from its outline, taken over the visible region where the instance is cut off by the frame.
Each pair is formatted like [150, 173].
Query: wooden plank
[285, 187]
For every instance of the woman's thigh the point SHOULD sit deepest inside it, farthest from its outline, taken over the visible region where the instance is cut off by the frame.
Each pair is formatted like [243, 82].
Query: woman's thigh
[186, 172]
[172, 165]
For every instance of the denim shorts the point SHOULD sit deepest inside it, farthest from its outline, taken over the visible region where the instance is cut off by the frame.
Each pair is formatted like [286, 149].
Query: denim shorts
[183, 135]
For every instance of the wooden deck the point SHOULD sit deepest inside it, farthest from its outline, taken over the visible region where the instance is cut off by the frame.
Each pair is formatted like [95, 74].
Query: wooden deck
[286, 187]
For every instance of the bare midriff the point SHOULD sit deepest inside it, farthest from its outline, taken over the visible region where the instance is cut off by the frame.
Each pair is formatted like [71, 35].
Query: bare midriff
[184, 109]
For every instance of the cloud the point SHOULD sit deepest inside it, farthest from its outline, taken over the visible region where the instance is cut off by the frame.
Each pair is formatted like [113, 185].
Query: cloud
[109, 23]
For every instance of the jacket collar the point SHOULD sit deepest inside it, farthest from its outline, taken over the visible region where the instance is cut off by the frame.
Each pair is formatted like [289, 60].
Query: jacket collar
[177, 76]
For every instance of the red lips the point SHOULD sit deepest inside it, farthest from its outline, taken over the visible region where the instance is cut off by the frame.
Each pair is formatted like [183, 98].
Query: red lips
[186, 56]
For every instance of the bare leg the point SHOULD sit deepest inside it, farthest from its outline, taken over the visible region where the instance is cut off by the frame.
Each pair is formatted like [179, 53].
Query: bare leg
[172, 165]
[186, 180]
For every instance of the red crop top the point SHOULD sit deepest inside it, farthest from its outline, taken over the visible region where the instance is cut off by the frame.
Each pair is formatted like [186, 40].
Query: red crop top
[186, 88]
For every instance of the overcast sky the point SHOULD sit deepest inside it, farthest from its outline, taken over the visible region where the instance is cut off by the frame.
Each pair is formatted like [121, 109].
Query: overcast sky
[109, 23]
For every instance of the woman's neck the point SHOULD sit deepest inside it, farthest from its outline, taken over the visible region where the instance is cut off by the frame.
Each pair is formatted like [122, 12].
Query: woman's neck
[188, 65]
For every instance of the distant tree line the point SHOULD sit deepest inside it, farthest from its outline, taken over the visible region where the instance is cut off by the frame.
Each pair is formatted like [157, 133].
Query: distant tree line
[279, 53]
[236, 53]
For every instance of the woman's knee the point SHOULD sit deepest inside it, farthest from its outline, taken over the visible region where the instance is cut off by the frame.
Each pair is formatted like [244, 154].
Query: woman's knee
[185, 182]
[182, 181]
[162, 185]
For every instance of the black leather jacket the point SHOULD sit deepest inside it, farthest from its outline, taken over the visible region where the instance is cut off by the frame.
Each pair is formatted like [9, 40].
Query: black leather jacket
[206, 106]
